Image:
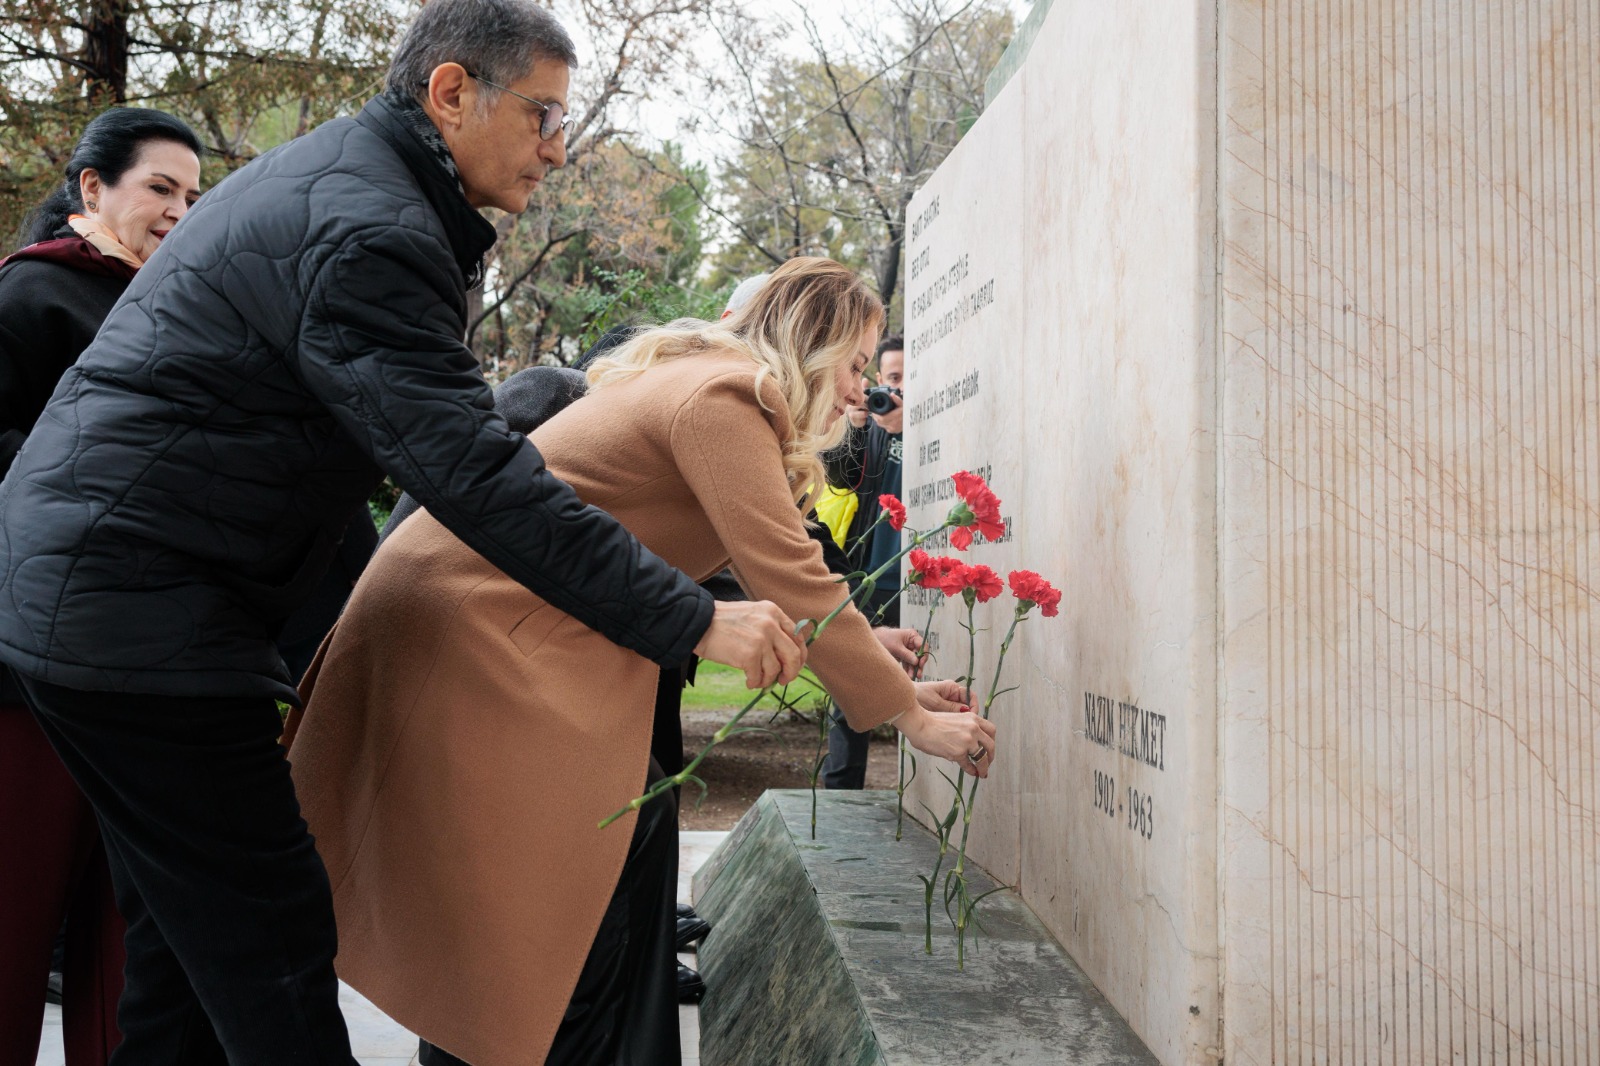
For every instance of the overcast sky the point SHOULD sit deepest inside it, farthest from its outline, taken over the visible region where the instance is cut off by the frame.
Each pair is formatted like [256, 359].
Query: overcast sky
[657, 119]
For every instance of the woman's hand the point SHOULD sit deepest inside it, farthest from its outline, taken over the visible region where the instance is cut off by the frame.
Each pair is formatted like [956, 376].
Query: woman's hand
[905, 645]
[964, 738]
[946, 696]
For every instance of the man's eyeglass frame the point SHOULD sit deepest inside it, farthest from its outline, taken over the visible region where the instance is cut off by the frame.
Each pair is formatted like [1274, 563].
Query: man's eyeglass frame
[562, 119]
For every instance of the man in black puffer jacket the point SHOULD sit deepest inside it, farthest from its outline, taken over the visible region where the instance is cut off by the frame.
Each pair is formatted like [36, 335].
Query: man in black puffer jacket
[299, 335]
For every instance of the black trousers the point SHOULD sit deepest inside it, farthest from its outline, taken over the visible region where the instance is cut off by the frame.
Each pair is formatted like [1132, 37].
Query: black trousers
[624, 1010]
[230, 919]
[846, 764]
[666, 728]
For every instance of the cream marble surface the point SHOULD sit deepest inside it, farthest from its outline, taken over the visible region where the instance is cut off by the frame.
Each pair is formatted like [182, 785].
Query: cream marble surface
[967, 397]
[1296, 310]
[1092, 417]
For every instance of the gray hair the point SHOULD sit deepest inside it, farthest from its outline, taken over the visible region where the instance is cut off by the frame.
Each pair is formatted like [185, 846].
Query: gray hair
[745, 291]
[499, 40]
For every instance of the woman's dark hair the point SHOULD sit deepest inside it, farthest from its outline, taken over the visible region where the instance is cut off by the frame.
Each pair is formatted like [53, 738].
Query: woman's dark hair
[110, 145]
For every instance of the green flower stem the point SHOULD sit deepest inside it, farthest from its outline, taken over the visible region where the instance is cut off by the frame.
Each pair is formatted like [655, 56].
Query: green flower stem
[994, 686]
[966, 828]
[865, 533]
[816, 764]
[900, 790]
[877, 617]
[1005, 646]
[667, 784]
[927, 628]
[943, 830]
[917, 540]
[963, 912]
[863, 592]
[904, 783]
[972, 665]
[949, 821]
[959, 872]
[964, 907]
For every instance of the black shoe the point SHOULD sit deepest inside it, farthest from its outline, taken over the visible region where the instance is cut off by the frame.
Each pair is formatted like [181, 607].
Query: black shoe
[52, 988]
[690, 985]
[685, 911]
[691, 931]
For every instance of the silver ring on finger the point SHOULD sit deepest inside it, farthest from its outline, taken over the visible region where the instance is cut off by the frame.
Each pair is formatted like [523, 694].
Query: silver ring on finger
[976, 757]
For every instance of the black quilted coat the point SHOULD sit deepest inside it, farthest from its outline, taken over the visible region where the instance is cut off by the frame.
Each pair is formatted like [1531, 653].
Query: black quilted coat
[298, 334]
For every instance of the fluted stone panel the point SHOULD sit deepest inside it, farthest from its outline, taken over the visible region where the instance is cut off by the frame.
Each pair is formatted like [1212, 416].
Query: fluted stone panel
[1410, 501]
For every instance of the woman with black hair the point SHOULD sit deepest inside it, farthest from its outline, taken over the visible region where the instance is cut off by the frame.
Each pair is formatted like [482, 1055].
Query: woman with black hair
[133, 174]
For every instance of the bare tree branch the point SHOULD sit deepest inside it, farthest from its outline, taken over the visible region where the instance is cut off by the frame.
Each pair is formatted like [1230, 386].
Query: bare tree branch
[527, 272]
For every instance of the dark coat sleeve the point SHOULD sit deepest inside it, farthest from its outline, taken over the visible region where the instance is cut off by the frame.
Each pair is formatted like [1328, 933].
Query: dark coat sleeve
[380, 347]
[39, 338]
[832, 554]
[13, 386]
[527, 399]
[846, 463]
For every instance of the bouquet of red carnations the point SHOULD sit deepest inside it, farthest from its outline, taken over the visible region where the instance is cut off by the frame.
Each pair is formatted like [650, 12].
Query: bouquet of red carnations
[976, 513]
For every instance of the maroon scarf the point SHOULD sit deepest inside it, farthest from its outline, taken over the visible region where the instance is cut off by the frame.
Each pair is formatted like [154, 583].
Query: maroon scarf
[74, 252]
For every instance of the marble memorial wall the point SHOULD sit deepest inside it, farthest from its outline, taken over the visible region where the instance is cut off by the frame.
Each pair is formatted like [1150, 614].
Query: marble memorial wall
[1275, 327]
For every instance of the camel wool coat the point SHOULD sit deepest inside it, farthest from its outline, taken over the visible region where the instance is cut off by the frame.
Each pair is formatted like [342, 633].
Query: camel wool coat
[461, 738]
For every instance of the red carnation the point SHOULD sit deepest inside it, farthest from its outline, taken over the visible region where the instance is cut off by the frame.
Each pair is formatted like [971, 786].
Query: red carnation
[922, 569]
[935, 572]
[984, 582]
[952, 575]
[896, 509]
[979, 507]
[1031, 589]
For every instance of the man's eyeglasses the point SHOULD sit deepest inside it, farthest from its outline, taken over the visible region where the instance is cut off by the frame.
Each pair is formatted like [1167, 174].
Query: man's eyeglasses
[555, 118]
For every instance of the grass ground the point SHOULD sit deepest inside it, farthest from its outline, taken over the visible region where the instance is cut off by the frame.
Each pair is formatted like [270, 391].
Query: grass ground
[781, 756]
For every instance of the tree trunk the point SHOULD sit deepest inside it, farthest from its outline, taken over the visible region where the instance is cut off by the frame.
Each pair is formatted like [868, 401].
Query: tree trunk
[105, 51]
[889, 265]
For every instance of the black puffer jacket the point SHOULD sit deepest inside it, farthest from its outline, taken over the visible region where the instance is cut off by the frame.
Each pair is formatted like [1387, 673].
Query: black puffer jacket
[299, 332]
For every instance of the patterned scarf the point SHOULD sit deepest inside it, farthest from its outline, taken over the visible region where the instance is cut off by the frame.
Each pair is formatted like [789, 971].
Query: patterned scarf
[102, 240]
[412, 113]
[410, 109]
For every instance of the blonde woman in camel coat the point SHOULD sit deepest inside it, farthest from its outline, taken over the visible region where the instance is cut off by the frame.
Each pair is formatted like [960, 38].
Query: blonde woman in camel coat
[462, 738]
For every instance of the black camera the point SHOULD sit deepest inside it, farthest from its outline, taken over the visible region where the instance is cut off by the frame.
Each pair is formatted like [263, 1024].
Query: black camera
[880, 399]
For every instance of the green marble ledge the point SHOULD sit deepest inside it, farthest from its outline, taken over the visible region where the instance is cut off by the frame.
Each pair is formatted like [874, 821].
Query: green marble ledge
[816, 955]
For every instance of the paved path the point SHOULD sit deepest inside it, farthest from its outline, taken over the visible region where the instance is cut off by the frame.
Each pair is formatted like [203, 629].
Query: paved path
[379, 1041]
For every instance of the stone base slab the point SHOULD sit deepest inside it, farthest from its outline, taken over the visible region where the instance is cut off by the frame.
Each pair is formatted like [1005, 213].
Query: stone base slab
[817, 956]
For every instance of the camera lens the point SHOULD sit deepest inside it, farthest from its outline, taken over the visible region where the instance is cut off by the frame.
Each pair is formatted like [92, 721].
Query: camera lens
[880, 400]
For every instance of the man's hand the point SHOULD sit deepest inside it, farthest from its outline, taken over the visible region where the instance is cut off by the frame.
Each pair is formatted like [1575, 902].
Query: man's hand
[892, 422]
[906, 647]
[857, 416]
[757, 638]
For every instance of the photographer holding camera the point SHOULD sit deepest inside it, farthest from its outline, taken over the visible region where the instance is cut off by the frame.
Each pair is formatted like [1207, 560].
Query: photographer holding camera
[868, 463]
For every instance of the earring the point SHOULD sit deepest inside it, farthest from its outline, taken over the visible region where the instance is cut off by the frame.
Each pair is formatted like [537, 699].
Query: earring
[91, 206]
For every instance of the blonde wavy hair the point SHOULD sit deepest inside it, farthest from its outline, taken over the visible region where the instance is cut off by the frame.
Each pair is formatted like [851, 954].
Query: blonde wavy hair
[799, 328]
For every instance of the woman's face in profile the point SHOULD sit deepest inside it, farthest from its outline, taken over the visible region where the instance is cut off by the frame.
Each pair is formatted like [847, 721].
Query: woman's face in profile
[154, 193]
[848, 380]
